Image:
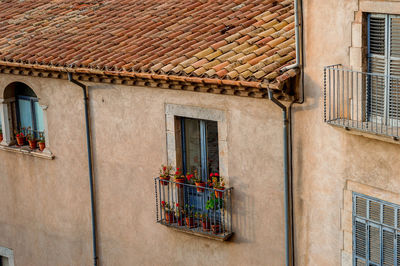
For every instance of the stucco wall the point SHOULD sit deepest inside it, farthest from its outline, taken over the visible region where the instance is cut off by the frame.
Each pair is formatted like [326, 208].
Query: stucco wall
[46, 218]
[327, 158]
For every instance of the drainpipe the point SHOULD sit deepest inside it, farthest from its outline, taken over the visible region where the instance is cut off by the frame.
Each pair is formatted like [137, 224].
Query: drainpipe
[90, 166]
[287, 201]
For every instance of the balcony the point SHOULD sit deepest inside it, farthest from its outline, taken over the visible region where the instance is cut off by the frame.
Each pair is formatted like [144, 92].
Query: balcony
[197, 210]
[366, 102]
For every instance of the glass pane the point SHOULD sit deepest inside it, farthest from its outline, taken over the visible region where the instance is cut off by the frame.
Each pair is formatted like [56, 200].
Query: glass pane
[192, 142]
[212, 147]
[25, 113]
[39, 117]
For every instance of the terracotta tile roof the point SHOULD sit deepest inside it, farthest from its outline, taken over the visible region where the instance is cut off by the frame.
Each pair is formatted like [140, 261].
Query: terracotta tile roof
[242, 40]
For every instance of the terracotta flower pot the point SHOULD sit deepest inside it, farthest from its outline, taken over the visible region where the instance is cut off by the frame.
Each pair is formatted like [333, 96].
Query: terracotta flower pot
[164, 178]
[180, 180]
[32, 144]
[1, 137]
[216, 228]
[181, 221]
[190, 222]
[169, 217]
[42, 145]
[206, 225]
[219, 194]
[199, 185]
[20, 141]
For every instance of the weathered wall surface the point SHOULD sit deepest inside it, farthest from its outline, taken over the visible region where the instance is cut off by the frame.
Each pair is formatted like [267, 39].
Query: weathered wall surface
[326, 158]
[45, 216]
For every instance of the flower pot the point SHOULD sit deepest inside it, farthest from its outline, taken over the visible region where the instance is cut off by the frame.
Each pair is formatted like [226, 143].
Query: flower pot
[42, 145]
[206, 225]
[32, 144]
[164, 178]
[190, 222]
[181, 221]
[216, 228]
[169, 217]
[20, 141]
[219, 194]
[199, 185]
[179, 180]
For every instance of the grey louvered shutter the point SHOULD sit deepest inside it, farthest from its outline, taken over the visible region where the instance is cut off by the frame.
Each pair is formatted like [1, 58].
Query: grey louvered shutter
[387, 247]
[376, 65]
[394, 66]
[360, 239]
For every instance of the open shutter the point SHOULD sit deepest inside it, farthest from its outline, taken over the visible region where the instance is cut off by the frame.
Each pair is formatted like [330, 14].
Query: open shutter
[394, 57]
[387, 247]
[376, 65]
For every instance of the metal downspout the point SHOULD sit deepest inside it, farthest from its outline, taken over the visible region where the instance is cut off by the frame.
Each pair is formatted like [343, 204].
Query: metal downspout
[287, 201]
[90, 166]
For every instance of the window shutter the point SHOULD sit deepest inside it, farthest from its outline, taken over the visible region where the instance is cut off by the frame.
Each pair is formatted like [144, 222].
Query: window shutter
[360, 239]
[361, 207]
[375, 211]
[394, 57]
[388, 215]
[374, 244]
[398, 250]
[376, 64]
[388, 247]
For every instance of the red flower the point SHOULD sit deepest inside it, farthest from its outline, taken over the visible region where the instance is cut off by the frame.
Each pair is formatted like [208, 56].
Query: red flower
[177, 169]
[216, 174]
[163, 203]
[164, 168]
[189, 177]
[211, 174]
[177, 172]
[177, 205]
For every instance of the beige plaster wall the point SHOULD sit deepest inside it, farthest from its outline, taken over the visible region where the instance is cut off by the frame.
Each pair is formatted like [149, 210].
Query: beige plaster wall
[328, 159]
[46, 218]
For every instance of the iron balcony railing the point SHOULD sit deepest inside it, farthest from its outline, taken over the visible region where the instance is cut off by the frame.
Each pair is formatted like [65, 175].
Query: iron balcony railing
[368, 102]
[202, 211]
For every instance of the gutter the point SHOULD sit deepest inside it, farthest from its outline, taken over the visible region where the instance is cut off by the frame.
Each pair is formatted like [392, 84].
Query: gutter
[297, 34]
[90, 166]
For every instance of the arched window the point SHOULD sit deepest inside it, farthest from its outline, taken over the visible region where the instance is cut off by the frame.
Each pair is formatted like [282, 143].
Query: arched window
[25, 113]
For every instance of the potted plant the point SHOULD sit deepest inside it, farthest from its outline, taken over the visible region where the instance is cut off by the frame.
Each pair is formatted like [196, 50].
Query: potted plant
[205, 221]
[42, 144]
[180, 216]
[168, 211]
[179, 178]
[165, 174]
[199, 183]
[216, 228]
[31, 140]
[214, 203]
[218, 184]
[189, 216]
[20, 138]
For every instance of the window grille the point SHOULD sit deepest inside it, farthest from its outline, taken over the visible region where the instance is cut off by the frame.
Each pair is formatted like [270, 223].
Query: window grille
[376, 230]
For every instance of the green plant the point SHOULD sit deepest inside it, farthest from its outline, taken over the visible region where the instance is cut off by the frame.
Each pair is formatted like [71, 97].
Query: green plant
[167, 207]
[178, 174]
[189, 211]
[214, 203]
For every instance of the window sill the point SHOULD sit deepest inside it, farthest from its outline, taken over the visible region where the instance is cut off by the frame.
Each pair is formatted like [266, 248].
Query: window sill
[198, 232]
[27, 151]
[366, 134]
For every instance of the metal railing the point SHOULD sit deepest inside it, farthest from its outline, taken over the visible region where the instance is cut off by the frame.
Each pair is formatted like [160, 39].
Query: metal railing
[199, 210]
[368, 102]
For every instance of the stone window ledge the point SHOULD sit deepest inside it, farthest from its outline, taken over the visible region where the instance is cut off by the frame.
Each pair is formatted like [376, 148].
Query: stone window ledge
[27, 151]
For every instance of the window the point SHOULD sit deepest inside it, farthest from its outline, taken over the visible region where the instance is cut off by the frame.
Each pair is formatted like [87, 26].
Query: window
[6, 257]
[199, 147]
[4, 261]
[383, 59]
[376, 232]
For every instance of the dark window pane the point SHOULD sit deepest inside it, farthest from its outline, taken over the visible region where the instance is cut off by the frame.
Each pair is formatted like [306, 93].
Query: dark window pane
[192, 143]
[212, 147]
